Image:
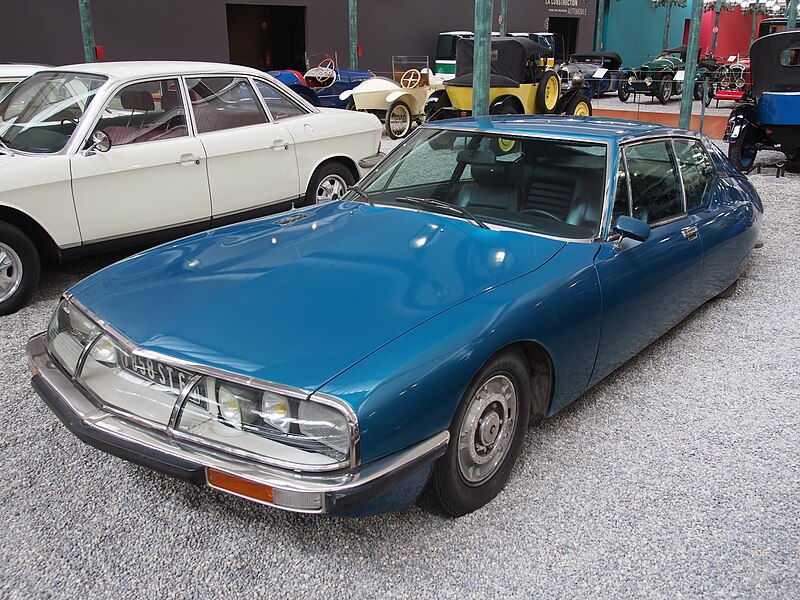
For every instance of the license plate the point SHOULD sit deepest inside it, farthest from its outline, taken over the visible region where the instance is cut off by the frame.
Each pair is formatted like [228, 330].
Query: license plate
[172, 379]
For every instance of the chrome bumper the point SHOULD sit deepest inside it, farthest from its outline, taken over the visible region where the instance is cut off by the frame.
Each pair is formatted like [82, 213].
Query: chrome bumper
[387, 484]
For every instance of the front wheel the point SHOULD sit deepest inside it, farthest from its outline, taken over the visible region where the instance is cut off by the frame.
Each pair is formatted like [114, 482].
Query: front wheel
[329, 182]
[547, 93]
[623, 93]
[398, 120]
[19, 269]
[665, 89]
[579, 106]
[742, 152]
[486, 436]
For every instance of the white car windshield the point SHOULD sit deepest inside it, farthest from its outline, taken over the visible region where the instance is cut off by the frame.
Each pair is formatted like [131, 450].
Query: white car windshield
[41, 113]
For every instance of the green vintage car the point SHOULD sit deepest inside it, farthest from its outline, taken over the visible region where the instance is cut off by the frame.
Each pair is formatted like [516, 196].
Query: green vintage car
[658, 77]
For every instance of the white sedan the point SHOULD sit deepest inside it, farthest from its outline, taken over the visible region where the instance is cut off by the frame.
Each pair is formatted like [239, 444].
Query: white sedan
[125, 154]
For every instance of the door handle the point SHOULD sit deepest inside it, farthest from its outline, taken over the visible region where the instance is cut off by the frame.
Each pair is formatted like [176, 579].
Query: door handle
[279, 145]
[690, 233]
[188, 159]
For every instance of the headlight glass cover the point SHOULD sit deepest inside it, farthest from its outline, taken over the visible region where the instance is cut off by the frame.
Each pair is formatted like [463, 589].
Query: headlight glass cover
[69, 332]
[254, 420]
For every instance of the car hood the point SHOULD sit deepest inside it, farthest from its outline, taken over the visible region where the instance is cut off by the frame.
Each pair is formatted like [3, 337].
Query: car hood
[296, 299]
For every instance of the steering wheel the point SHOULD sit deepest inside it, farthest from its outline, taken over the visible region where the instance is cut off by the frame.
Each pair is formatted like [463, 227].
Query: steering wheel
[326, 70]
[539, 211]
[411, 78]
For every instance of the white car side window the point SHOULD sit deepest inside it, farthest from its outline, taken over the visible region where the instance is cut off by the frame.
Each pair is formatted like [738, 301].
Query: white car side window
[144, 112]
[279, 105]
[221, 103]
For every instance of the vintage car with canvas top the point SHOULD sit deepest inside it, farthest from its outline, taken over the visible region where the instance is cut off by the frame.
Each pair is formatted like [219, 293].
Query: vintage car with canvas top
[518, 83]
[324, 82]
[599, 70]
[769, 119]
[123, 154]
[343, 357]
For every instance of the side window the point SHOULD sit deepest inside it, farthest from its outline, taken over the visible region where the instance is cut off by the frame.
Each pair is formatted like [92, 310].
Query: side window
[279, 105]
[144, 112]
[220, 103]
[698, 173]
[655, 185]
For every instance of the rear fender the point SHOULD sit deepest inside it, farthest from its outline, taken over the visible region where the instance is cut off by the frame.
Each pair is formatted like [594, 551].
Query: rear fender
[741, 117]
[409, 99]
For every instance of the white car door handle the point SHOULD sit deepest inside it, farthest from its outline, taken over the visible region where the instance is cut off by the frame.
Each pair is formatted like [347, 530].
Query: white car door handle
[279, 145]
[188, 159]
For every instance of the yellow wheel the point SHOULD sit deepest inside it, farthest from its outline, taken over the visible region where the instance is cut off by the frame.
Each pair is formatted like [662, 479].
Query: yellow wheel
[547, 93]
[506, 145]
[579, 106]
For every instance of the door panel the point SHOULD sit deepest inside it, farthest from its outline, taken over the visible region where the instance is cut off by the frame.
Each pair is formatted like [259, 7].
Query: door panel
[140, 187]
[647, 287]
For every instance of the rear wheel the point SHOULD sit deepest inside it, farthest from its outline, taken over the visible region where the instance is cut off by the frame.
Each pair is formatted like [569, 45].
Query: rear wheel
[398, 120]
[665, 89]
[547, 93]
[486, 436]
[19, 269]
[742, 153]
[329, 182]
[580, 106]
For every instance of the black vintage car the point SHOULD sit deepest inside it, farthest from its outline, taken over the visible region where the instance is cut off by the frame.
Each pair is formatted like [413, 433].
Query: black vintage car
[600, 71]
[769, 119]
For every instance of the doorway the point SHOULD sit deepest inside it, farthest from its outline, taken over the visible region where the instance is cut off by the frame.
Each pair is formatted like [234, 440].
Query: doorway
[267, 37]
[568, 27]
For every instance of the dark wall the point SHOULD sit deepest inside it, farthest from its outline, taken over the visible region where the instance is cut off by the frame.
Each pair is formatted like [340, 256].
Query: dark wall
[48, 31]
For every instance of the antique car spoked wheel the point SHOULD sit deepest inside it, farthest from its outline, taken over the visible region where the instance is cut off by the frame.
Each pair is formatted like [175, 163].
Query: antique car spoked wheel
[665, 90]
[486, 430]
[19, 268]
[398, 120]
[329, 182]
[486, 435]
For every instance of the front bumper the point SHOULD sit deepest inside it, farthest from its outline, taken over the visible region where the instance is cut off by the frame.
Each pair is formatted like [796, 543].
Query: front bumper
[384, 485]
[640, 87]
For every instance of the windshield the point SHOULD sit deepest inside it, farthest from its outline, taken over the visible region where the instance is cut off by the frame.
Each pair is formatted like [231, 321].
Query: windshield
[547, 186]
[41, 113]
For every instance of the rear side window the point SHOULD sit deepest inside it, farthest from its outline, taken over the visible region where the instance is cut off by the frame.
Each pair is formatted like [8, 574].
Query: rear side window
[279, 105]
[221, 103]
[698, 173]
[655, 186]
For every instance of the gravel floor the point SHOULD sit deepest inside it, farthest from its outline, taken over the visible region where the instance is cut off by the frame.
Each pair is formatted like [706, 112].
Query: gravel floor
[678, 475]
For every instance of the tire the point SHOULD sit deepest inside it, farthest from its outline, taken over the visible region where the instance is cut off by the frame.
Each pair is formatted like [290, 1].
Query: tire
[793, 166]
[580, 106]
[329, 182]
[742, 153]
[623, 91]
[697, 93]
[351, 104]
[505, 107]
[19, 269]
[433, 104]
[665, 89]
[547, 93]
[398, 120]
[728, 291]
[709, 95]
[484, 441]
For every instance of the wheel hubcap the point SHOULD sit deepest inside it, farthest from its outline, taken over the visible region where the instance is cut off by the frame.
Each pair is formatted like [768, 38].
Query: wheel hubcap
[551, 93]
[330, 188]
[487, 429]
[10, 272]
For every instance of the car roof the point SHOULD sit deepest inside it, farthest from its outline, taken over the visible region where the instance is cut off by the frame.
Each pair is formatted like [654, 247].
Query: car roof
[591, 128]
[155, 68]
[19, 69]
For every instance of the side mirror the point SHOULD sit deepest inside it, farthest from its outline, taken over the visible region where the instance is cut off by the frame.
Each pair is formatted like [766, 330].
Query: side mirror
[100, 143]
[632, 228]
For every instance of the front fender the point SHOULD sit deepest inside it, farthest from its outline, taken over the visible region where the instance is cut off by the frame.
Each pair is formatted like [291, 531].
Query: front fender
[567, 96]
[409, 390]
[405, 97]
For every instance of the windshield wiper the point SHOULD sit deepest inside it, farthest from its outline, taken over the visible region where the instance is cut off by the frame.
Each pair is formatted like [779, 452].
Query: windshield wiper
[8, 150]
[440, 204]
[361, 193]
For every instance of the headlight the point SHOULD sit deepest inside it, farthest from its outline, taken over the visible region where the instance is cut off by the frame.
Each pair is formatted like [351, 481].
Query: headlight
[631, 79]
[68, 334]
[252, 420]
[577, 79]
[726, 81]
[648, 80]
[740, 83]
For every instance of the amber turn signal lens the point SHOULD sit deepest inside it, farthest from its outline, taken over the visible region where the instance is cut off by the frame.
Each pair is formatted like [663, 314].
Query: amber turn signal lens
[239, 485]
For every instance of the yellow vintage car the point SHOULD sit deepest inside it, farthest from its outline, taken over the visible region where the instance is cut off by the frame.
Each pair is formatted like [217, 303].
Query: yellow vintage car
[518, 83]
